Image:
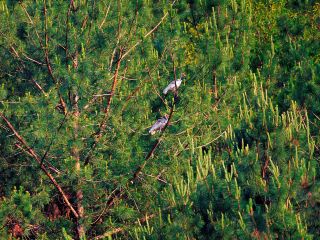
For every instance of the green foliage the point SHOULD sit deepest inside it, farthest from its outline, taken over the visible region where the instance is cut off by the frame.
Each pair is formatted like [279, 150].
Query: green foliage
[81, 83]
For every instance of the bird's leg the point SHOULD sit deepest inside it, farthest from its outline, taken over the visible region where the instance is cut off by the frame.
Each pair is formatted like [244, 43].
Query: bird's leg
[175, 92]
[176, 96]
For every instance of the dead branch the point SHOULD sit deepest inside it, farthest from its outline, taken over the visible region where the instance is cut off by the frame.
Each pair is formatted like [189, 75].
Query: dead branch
[32, 60]
[105, 16]
[38, 86]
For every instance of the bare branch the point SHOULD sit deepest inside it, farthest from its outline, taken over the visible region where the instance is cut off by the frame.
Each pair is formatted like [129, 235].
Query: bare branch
[105, 16]
[38, 87]
[32, 60]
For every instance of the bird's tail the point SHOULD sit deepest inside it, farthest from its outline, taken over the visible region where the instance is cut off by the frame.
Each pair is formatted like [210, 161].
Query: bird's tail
[165, 91]
[151, 131]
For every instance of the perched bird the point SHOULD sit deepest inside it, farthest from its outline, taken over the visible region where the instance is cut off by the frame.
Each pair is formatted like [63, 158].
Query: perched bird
[174, 85]
[159, 125]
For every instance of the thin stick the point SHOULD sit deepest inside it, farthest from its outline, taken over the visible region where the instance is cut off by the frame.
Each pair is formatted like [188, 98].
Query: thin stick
[146, 35]
[140, 41]
[38, 86]
[105, 16]
[33, 60]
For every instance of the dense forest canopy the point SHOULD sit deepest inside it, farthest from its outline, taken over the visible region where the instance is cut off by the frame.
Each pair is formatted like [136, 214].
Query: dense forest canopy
[237, 154]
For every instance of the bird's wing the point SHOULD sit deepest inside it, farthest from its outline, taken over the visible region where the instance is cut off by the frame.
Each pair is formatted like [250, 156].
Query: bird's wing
[155, 126]
[163, 120]
[178, 82]
[174, 83]
[169, 87]
[159, 124]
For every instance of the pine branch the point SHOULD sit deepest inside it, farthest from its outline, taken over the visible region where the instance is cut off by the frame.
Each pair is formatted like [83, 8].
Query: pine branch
[119, 193]
[137, 89]
[147, 34]
[33, 60]
[123, 229]
[155, 89]
[66, 34]
[52, 168]
[105, 16]
[46, 47]
[38, 160]
[16, 54]
[158, 177]
[39, 87]
[103, 125]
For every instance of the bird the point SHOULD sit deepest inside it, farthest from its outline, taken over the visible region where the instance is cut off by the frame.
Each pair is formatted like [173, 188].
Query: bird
[159, 124]
[174, 85]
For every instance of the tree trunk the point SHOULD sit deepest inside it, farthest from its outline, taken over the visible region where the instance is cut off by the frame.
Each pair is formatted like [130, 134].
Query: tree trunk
[75, 154]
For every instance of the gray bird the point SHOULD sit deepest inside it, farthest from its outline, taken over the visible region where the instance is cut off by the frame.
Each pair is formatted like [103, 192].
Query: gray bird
[159, 124]
[174, 85]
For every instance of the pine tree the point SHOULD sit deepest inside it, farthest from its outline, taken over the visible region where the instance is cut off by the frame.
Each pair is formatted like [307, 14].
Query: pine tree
[82, 82]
